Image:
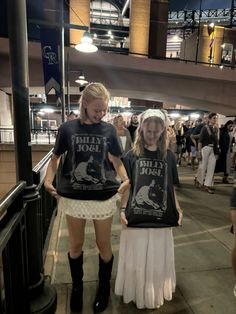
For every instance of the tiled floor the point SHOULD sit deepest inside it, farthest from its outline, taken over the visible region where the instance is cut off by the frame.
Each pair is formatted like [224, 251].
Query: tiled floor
[202, 252]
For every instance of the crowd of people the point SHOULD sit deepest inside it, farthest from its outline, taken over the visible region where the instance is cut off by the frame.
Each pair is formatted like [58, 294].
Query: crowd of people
[134, 166]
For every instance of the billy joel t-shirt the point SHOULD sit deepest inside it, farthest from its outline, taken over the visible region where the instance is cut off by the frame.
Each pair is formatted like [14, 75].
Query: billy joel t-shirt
[151, 201]
[86, 171]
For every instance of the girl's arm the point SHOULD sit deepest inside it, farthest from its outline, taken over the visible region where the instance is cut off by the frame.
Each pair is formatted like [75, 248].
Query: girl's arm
[124, 189]
[123, 205]
[120, 169]
[50, 175]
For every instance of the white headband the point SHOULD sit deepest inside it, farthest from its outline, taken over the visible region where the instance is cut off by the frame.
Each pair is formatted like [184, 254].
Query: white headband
[156, 113]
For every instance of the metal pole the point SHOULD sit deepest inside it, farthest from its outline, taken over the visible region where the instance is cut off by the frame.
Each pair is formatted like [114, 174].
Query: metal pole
[198, 33]
[17, 28]
[42, 296]
[68, 82]
[62, 60]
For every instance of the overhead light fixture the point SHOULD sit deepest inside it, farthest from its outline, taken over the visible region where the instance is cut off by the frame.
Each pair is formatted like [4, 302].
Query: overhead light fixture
[194, 115]
[86, 44]
[81, 80]
[174, 114]
[47, 110]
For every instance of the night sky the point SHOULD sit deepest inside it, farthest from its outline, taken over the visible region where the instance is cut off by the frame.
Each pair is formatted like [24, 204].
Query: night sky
[177, 5]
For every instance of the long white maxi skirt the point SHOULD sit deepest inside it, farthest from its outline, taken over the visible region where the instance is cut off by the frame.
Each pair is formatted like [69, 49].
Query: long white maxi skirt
[146, 267]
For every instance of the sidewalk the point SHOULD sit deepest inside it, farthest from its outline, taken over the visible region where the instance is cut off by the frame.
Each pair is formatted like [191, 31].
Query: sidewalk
[202, 251]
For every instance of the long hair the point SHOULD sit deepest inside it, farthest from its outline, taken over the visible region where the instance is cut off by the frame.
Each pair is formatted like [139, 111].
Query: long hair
[229, 122]
[139, 143]
[91, 92]
[211, 115]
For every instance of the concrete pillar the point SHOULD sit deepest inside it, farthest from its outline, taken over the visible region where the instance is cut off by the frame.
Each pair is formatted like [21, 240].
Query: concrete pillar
[139, 27]
[158, 28]
[79, 15]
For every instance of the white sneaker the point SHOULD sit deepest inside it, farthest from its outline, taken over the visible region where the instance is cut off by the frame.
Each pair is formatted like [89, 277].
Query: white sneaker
[234, 290]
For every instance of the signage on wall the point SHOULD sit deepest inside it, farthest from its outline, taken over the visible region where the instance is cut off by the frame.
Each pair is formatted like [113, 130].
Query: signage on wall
[50, 59]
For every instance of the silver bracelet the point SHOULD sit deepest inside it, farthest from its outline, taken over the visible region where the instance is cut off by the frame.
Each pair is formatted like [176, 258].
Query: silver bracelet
[122, 209]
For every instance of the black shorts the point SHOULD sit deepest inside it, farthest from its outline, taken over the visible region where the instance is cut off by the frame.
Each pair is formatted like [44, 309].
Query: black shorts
[233, 199]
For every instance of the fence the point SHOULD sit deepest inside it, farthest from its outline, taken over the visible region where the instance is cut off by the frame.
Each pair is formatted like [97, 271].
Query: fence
[26, 219]
[37, 136]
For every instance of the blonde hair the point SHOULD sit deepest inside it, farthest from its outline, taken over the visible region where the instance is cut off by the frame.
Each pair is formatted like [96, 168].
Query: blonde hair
[139, 143]
[91, 92]
[116, 118]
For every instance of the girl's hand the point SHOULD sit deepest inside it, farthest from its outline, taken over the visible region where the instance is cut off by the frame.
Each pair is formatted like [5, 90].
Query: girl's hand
[123, 187]
[180, 217]
[123, 219]
[51, 189]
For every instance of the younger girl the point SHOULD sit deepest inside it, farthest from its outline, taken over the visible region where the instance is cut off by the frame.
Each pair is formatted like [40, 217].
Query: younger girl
[146, 268]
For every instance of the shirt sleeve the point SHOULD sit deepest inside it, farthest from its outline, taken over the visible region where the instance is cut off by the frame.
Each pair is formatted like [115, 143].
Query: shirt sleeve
[114, 147]
[60, 146]
[127, 160]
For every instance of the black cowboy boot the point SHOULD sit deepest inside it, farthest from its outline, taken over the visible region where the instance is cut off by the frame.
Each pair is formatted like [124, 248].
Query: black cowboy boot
[103, 291]
[76, 268]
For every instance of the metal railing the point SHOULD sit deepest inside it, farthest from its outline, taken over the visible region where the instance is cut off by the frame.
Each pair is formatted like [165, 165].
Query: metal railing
[13, 247]
[45, 136]
[26, 220]
[47, 202]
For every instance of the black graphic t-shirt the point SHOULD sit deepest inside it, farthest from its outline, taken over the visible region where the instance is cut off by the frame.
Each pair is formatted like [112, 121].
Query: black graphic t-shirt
[86, 171]
[151, 202]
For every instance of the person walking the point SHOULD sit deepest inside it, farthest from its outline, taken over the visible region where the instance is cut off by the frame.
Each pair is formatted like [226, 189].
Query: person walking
[133, 126]
[195, 138]
[180, 141]
[124, 136]
[208, 148]
[87, 187]
[224, 162]
[149, 210]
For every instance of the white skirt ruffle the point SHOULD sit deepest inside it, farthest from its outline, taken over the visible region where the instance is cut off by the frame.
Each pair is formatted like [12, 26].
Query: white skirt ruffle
[89, 209]
[146, 267]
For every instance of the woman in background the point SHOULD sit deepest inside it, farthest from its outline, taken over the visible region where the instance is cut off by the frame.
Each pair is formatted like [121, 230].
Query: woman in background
[224, 161]
[124, 136]
[208, 147]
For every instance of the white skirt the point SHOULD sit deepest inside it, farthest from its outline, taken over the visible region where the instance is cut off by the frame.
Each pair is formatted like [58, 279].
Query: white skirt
[89, 209]
[146, 267]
